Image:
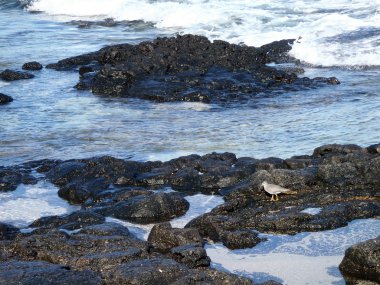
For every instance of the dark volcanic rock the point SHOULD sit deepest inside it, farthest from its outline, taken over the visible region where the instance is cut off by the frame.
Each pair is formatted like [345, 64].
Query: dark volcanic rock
[11, 177]
[149, 271]
[163, 237]
[4, 99]
[189, 68]
[167, 271]
[362, 262]
[144, 209]
[44, 273]
[76, 220]
[211, 276]
[8, 231]
[10, 75]
[240, 239]
[192, 255]
[98, 248]
[33, 65]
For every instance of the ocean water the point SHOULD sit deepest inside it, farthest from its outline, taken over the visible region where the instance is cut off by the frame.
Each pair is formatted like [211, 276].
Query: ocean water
[50, 119]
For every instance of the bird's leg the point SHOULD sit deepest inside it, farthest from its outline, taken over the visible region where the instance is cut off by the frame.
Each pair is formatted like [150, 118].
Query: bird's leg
[276, 197]
[272, 198]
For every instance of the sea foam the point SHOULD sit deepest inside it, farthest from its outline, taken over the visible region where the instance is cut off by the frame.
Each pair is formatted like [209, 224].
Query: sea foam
[343, 33]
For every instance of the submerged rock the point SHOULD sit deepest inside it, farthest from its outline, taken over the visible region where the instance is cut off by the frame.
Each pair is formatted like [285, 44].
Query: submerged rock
[4, 99]
[361, 263]
[33, 65]
[188, 68]
[11, 75]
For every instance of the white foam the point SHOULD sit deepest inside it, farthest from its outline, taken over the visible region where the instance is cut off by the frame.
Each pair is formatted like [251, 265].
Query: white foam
[320, 23]
[3, 83]
[30, 202]
[199, 204]
[312, 211]
[305, 258]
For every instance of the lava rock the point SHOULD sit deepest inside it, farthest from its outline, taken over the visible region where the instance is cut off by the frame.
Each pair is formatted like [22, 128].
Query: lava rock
[148, 271]
[4, 99]
[211, 276]
[98, 248]
[362, 262]
[163, 237]
[375, 148]
[333, 149]
[192, 255]
[44, 273]
[189, 68]
[154, 208]
[74, 221]
[11, 75]
[8, 232]
[33, 65]
[11, 177]
[240, 239]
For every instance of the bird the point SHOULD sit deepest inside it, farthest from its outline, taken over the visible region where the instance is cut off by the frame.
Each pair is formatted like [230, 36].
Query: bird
[274, 190]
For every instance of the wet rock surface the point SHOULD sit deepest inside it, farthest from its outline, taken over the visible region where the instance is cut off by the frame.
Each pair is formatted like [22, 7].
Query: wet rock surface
[163, 237]
[189, 68]
[4, 99]
[11, 177]
[361, 263]
[105, 253]
[33, 65]
[146, 209]
[44, 273]
[335, 185]
[8, 232]
[11, 75]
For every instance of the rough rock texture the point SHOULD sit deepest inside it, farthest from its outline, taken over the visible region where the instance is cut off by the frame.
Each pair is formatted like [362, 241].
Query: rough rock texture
[8, 232]
[148, 209]
[192, 255]
[33, 65]
[361, 262]
[98, 247]
[342, 180]
[11, 177]
[44, 273]
[105, 252]
[74, 221]
[11, 75]
[4, 99]
[167, 271]
[163, 237]
[188, 68]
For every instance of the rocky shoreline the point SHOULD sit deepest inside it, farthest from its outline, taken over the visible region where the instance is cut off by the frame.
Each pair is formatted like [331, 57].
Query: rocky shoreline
[334, 185]
[189, 68]
[340, 181]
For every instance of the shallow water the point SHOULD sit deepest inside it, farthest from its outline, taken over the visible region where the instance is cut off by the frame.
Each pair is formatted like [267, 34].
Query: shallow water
[50, 119]
[305, 258]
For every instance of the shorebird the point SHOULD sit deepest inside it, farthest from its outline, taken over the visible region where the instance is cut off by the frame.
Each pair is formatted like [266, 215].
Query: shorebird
[274, 190]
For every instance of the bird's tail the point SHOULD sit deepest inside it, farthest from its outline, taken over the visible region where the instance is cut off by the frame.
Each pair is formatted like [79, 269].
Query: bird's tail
[290, 192]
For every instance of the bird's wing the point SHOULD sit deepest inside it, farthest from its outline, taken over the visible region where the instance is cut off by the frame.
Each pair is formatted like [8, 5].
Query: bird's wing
[278, 189]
